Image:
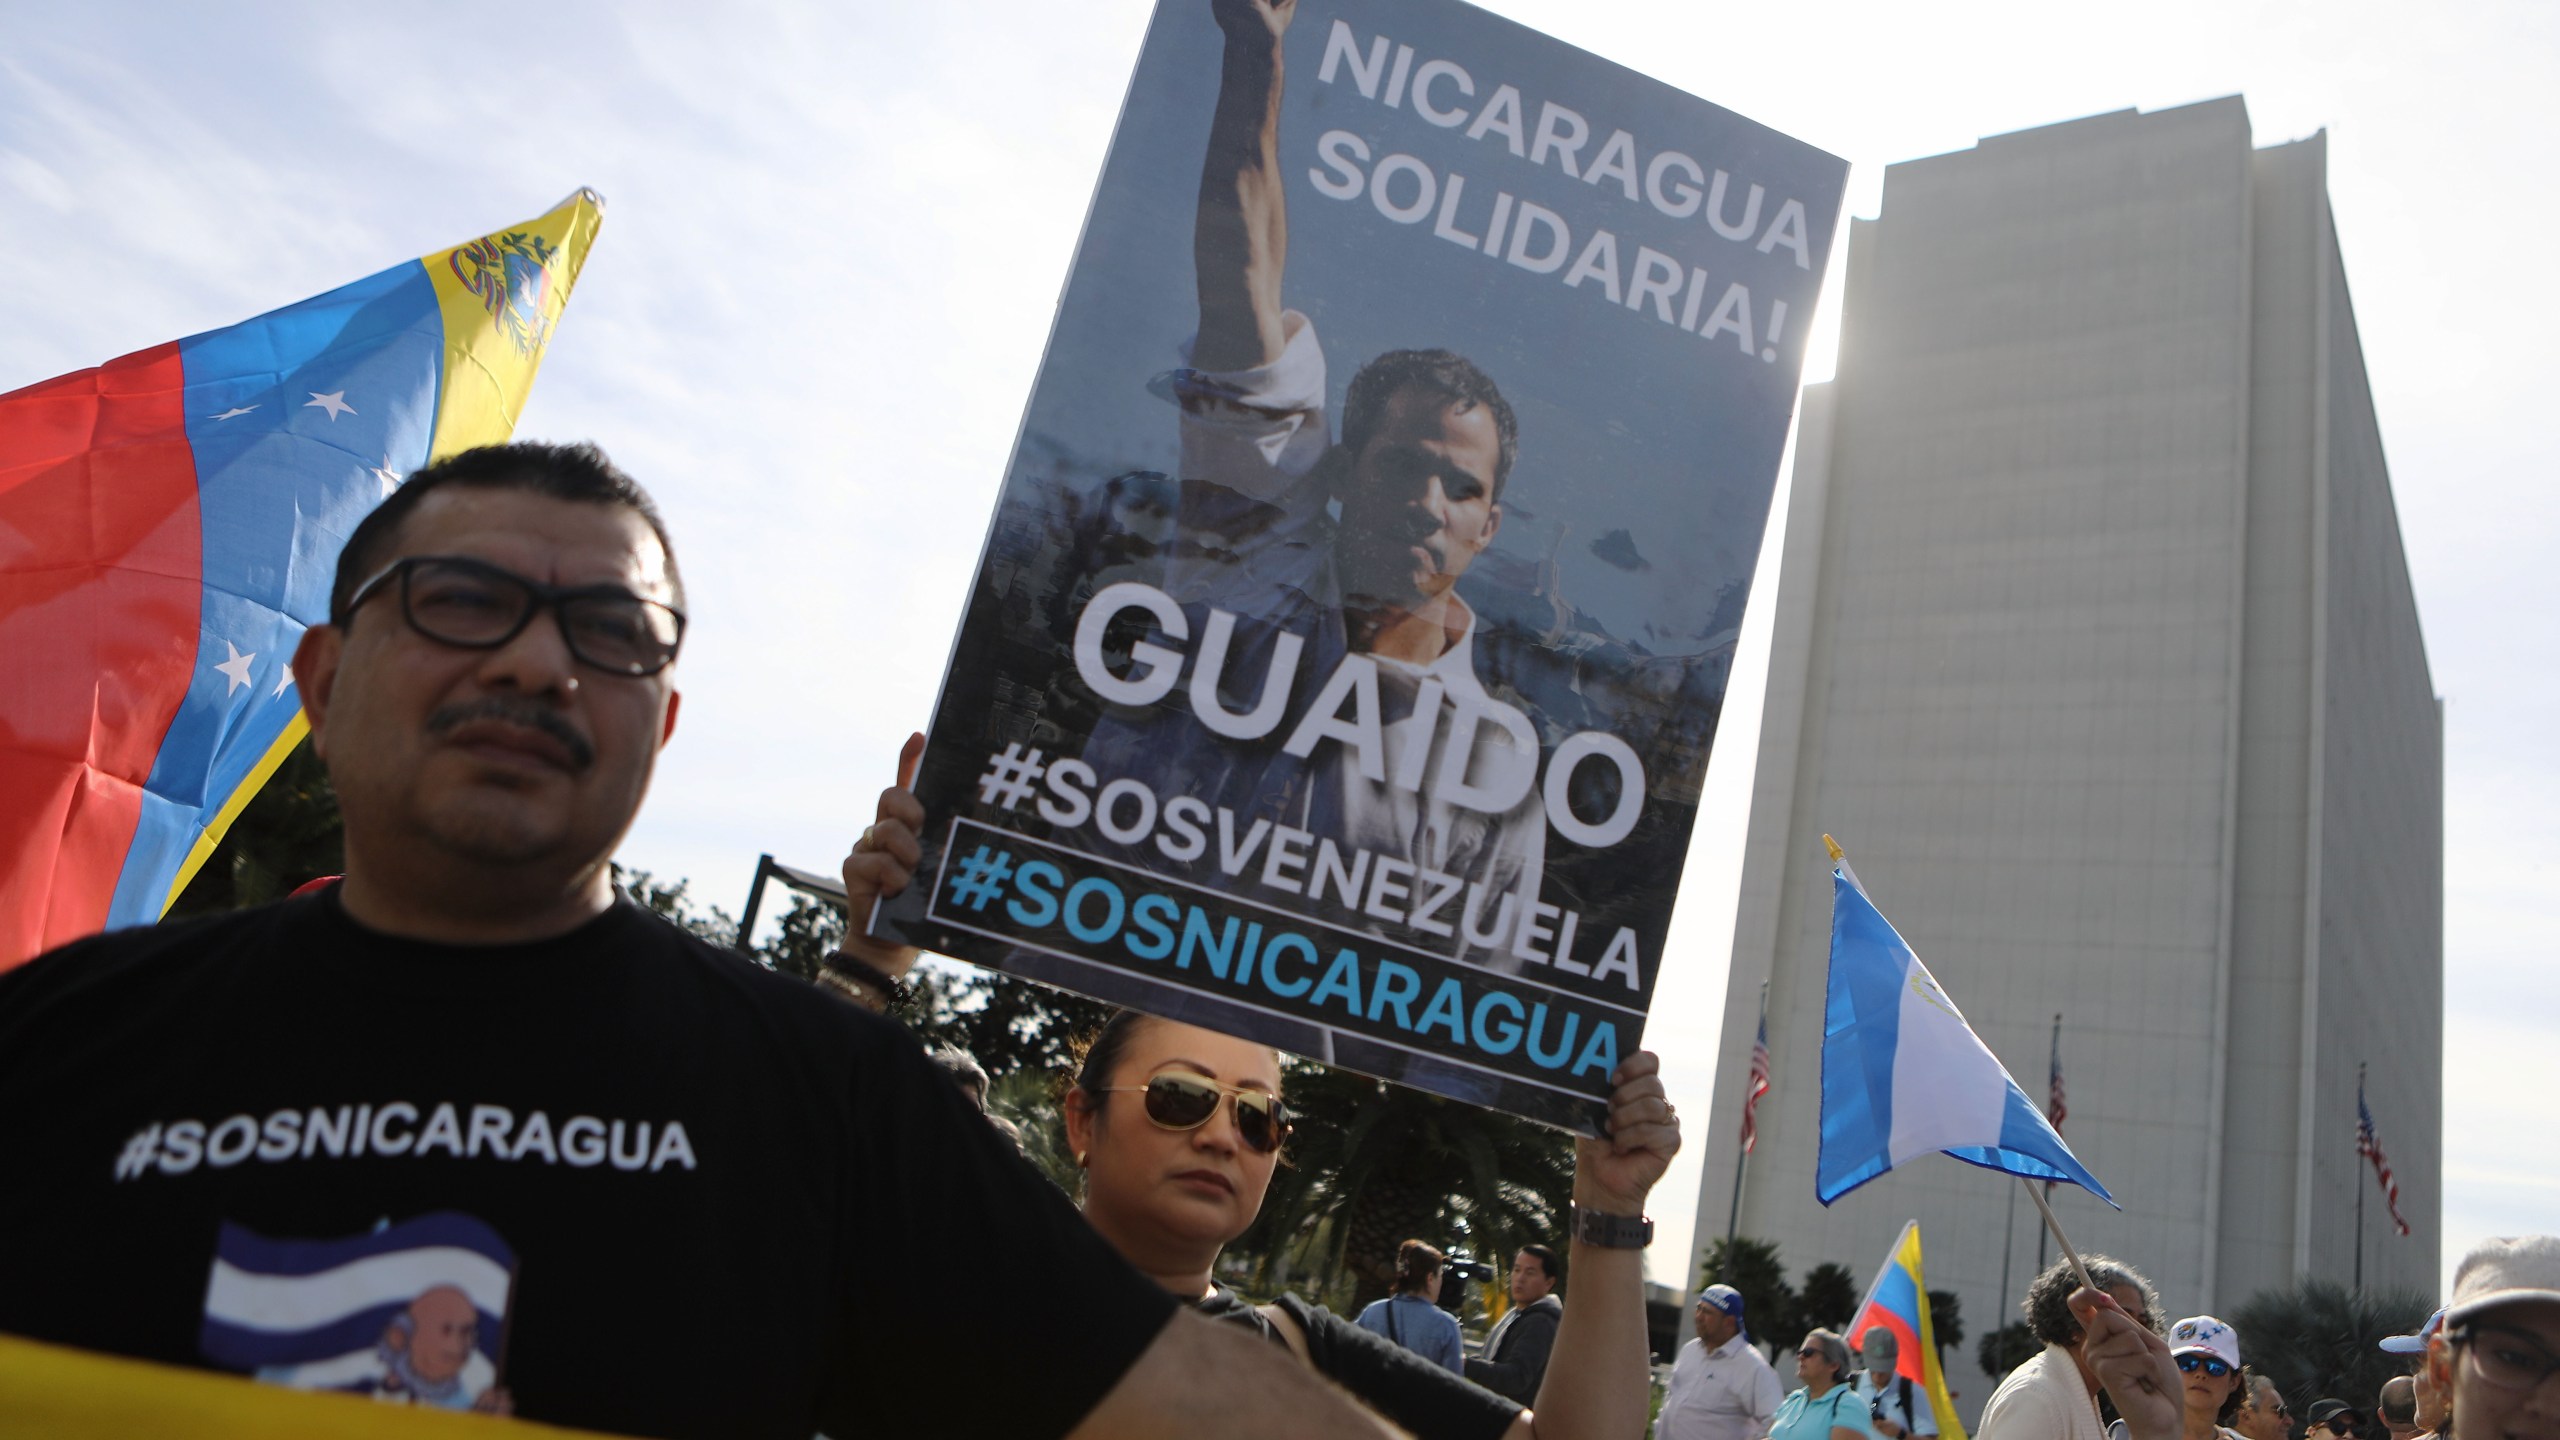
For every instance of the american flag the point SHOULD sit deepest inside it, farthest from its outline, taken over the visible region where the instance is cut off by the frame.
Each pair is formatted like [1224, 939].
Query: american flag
[2369, 1145]
[1759, 1087]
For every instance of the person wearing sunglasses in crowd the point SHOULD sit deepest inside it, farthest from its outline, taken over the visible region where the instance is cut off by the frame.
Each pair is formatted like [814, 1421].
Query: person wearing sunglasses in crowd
[1827, 1405]
[2499, 1346]
[2332, 1418]
[2265, 1416]
[2208, 1356]
[1412, 1316]
[1177, 1130]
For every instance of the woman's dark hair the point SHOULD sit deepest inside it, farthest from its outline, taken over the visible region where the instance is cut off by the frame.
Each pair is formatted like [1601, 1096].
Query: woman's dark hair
[1416, 1263]
[2048, 1302]
[1098, 1054]
[2246, 1382]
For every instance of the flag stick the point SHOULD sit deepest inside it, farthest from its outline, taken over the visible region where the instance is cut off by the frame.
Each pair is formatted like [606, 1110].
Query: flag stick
[2058, 1237]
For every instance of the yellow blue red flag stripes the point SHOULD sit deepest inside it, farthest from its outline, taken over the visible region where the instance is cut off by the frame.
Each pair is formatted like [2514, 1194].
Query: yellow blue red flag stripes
[1899, 1301]
[1903, 1074]
[169, 525]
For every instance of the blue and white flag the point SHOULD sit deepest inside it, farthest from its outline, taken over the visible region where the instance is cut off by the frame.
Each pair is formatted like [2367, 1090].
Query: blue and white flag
[1904, 1075]
[412, 1312]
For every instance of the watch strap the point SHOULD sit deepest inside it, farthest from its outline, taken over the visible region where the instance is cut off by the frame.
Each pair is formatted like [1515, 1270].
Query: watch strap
[1612, 1232]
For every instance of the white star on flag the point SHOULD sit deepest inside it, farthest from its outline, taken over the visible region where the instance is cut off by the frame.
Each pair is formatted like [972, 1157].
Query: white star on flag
[235, 412]
[335, 402]
[284, 681]
[235, 669]
[389, 477]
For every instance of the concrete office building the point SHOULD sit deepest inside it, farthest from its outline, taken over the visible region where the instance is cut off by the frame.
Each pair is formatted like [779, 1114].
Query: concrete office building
[2095, 647]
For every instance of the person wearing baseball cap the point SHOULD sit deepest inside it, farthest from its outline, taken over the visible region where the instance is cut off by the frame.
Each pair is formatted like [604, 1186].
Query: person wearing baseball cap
[2500, 1341]
[1720, 1387]
[2431, 1411]
[2207, 1352]
[2337, 1417]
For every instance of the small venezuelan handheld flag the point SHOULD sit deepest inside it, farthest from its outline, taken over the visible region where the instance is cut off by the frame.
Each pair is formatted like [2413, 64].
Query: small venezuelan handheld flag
[1899, 1301]
[169, 525]
[1903, 1074]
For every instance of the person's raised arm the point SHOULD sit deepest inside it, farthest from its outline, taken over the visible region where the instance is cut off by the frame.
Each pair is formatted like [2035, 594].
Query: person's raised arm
[1204, 1378]
[1240, 236]
[882, 864]
[1599, 1378]
[2133, 1366]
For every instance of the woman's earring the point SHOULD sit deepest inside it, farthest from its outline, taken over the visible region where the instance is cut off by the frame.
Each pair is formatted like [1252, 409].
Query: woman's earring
[1079, 1159]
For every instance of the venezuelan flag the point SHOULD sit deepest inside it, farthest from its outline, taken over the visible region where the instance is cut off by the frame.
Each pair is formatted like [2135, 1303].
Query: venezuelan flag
[169, 525]
[1899, 1301]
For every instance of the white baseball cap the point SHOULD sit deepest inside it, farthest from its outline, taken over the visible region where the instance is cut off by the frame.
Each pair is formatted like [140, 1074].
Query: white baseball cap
[2503, 1272]
[2204, 1335]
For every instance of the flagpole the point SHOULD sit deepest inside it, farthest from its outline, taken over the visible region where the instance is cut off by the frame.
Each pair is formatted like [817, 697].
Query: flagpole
[2052, 1065]
[2359, 1285]
[1742, 1162]
[2059, 1238]
[2008, 1247]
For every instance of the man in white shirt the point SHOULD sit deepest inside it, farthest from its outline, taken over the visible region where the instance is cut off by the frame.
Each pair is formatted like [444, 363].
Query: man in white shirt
[2054, 1396]
[1902, 1409]
[1720, 1387]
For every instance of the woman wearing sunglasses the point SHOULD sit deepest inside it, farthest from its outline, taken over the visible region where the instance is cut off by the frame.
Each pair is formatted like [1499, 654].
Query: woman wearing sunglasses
[1826, 1406]
[2208, 1356]
[1177, 1130]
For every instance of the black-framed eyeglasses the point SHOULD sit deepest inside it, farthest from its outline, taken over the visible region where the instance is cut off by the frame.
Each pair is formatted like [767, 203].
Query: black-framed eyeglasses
[1185, 1102]
[2507, 1358]
[475, 605]
[2213, 1365]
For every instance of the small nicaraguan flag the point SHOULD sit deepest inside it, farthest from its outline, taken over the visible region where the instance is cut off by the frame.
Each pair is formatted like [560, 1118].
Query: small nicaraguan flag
[1904, 1075]
[412, 1312]
[1899, 1301]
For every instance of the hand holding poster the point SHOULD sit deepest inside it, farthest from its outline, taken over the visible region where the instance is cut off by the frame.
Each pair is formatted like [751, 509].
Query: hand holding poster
[1377, 738]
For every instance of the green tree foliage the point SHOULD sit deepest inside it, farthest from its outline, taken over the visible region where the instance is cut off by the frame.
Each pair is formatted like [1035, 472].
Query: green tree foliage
[2317, 1339]
[288, 834]
[1377, 1164]
[2007, 1348]
[1769, 1305]
[1946, 1322]
[1013, 1026]
[1829, 1293]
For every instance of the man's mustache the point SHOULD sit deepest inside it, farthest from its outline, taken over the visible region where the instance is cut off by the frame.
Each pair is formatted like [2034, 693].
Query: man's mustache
[509, 710]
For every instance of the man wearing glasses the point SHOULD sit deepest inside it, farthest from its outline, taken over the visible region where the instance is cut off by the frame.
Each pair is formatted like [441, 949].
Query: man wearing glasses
[2499, 1344]
[2332, 1418]
[220, 1133]
[2266, 1416]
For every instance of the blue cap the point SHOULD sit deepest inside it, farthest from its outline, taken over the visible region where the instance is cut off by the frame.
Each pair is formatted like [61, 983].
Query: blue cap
[2413, 1344]
[1724, 1298]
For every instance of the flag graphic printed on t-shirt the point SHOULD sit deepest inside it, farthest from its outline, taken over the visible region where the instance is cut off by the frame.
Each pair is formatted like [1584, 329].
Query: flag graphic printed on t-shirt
[412, 1311]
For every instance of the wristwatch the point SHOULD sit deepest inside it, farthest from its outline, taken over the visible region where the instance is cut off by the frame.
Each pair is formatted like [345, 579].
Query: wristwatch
[1612, 1232]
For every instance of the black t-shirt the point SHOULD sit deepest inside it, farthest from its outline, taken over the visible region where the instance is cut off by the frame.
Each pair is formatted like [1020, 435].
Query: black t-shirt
[1415, 1393]
[641, 1183]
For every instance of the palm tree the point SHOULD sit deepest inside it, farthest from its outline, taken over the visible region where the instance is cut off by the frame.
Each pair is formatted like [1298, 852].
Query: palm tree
[1770, 1309]
[1378, 1164]
[2317, 1339]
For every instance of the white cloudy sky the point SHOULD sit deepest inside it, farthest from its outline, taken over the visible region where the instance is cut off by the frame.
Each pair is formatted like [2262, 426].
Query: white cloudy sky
[836, 233]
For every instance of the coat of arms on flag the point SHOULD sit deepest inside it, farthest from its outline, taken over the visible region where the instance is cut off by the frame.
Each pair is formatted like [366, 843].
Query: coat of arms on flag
[411, 1313]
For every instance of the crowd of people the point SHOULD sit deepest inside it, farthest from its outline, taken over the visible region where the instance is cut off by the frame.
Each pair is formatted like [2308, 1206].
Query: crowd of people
[585, 1113]
[2479, 1362]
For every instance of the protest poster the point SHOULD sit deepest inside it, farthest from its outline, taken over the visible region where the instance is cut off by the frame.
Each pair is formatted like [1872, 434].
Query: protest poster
[1352, 629]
